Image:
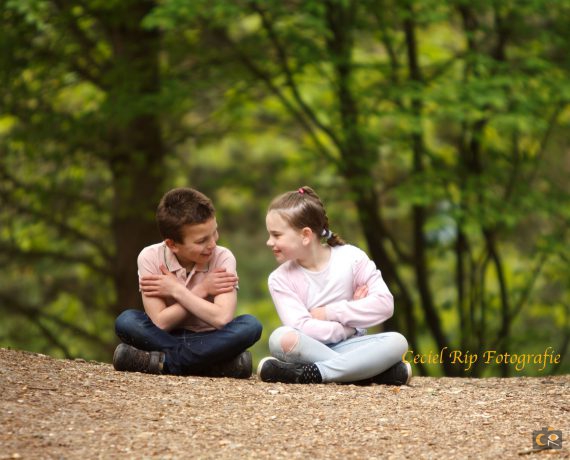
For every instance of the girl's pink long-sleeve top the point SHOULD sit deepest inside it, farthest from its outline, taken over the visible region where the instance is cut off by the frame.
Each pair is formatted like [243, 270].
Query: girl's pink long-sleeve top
[296, 291]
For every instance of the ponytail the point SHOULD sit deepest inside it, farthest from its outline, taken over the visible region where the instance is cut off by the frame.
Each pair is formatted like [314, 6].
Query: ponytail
[303, 208]
[335, 240]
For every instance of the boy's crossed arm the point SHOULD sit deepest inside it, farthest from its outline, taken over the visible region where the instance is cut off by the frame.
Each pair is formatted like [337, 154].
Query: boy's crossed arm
[216, 282]
[219, 284]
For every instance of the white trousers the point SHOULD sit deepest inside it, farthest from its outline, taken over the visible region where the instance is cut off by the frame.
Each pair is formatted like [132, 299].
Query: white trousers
[351, 360]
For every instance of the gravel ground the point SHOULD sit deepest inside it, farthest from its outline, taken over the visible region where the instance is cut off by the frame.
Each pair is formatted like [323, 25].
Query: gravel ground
[63, 409]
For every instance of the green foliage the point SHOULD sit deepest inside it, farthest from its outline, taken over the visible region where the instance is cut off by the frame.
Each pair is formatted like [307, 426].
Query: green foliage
[450, 117]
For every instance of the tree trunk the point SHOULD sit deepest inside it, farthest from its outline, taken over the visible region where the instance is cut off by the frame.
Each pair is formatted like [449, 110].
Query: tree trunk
[136, 147]
[357, 157]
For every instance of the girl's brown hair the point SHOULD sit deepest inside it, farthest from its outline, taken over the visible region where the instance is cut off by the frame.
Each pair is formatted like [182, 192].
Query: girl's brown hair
[303, 208]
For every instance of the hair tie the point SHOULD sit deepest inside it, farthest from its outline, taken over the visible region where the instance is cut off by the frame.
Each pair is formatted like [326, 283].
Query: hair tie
[326, 233]
[301, 191]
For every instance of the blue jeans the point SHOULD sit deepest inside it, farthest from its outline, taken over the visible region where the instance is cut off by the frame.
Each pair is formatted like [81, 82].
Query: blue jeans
[349, 361]
[188, 352]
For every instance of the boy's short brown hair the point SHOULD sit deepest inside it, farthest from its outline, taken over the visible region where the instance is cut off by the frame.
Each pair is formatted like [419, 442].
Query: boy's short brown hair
[179, 207]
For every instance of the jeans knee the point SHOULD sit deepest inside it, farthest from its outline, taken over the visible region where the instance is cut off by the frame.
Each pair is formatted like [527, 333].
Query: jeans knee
[246, 330]
[252, 325]
[125, 321]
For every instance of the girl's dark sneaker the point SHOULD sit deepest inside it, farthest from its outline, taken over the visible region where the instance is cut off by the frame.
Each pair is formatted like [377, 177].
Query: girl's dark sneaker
[272, 370]
[399, 374]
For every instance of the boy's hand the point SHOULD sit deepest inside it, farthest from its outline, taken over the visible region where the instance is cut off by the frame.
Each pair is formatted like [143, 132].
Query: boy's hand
[163, 285]
[216, 282]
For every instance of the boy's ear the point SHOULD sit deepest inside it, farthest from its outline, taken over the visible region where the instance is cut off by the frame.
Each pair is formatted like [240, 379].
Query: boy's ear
[170, 244]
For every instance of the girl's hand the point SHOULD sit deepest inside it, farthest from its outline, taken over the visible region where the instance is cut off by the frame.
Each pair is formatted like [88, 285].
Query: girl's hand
[360, 293]
[163, 285]
[218, 281]
[319, 313]
[349, 331]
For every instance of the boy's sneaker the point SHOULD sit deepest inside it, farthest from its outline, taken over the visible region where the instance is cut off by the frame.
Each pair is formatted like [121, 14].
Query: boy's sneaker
[131, 359]
[272, 370]
[238, 368]
[399, 374]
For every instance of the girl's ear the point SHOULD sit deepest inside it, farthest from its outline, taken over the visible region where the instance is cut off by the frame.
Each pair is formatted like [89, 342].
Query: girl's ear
[307, 235]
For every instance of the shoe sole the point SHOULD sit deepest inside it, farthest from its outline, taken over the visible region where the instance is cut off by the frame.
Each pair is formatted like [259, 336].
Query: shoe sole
[409, 369]
[261, 363]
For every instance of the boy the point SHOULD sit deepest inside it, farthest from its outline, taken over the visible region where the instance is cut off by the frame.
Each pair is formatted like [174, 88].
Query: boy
[189, 292]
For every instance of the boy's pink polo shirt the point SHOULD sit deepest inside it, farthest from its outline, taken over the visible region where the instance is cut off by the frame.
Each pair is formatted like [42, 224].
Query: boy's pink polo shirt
[152, 257]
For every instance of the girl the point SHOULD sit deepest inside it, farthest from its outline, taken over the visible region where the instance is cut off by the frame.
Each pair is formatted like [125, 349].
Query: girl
[325, 295]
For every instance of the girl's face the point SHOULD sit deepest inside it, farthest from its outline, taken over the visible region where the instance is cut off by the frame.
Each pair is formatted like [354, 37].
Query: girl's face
[286, 242]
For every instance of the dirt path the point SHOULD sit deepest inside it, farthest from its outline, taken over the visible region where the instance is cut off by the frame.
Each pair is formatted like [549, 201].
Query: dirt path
[65, 409]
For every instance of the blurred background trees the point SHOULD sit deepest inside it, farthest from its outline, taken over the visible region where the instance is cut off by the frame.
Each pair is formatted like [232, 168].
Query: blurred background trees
[435, 132]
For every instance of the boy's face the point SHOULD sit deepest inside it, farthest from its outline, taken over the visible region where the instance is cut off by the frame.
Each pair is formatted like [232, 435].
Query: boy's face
[198, 243]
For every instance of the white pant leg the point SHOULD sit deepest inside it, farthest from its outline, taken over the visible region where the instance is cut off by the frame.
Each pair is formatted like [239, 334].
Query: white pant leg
[306, 350]
[354, 359]
[363, 357]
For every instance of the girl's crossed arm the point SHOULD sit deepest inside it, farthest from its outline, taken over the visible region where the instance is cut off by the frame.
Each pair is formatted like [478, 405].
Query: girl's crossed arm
[294, 313]
[370, 309]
